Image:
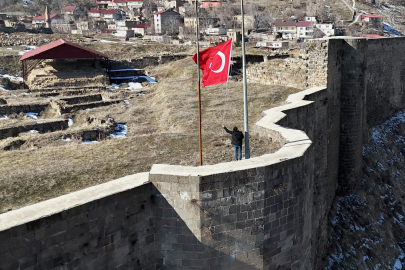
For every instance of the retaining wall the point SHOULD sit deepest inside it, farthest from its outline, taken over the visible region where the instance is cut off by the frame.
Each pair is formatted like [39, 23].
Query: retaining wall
[23, 108]
[268, 212]
[40, 126]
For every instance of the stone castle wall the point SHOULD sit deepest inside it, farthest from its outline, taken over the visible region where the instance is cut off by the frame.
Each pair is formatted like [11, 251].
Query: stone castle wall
[268, 212]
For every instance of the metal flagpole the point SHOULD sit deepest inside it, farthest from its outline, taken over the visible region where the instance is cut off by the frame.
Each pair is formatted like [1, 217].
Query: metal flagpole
[198, 72]
[247, 149]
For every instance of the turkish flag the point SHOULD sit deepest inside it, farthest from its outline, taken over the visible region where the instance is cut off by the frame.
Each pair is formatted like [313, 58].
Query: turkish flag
[214, 63]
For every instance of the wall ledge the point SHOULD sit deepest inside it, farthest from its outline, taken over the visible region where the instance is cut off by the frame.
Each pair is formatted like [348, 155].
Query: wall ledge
[56, 205]
[297, 143]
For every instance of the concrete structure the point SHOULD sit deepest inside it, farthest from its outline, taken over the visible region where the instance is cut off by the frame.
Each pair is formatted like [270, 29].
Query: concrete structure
[165, 19]
[305, 29]
[272, 44]
[327, 28]
[268, 212]
[249, 21]
[41, 20]
[95, 13]
[111, 15]
[210, 4]
[68, 10]
[134, 4]
[140, 29]
[286, 28]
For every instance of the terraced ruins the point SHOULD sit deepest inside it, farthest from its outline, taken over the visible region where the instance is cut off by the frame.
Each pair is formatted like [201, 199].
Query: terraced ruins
[73, 129]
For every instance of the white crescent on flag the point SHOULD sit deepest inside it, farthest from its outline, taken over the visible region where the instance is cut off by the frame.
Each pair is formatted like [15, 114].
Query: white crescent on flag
[222, 64]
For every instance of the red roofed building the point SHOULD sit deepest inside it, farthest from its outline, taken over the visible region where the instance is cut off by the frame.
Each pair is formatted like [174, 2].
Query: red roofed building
[305, 29]
[68, 10]
[110, 15]
[59, 49]
[286, 28]
[140, 29]
[95, 12]
[103, 3]
[371, 18]
[39, 20]
[166, 21]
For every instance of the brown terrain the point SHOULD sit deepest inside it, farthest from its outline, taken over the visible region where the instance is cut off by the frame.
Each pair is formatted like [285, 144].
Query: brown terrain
[162, 122]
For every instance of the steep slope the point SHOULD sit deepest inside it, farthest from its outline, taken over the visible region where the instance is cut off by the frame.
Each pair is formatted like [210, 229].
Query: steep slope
[368, 226]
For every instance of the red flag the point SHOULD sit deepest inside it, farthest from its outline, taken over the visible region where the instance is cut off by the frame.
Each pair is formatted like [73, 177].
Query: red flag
[214, 62]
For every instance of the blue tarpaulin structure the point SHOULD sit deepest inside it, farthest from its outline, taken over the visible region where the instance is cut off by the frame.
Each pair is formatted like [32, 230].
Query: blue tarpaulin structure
[391, 31]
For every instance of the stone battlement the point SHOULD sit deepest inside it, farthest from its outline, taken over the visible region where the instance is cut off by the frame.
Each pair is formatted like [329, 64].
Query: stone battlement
[268, 212]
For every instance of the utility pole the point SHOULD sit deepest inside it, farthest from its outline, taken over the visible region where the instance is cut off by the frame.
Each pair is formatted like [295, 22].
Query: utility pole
[245, 107]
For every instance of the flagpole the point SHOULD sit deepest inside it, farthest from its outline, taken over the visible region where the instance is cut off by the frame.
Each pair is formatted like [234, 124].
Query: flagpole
[199, 79]
[245, 111]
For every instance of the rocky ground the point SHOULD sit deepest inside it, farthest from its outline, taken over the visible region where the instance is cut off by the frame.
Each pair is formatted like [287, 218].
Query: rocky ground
[368, 226]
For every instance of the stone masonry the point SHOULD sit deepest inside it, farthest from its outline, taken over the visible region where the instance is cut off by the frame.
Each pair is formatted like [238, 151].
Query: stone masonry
[268, 212]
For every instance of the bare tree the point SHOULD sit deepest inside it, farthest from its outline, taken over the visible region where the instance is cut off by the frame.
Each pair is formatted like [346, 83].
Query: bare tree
[171, 25]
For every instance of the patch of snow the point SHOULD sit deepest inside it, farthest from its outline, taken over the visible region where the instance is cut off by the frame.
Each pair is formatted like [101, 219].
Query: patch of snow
[121, 131]
[107, 41]
[126, 101]
[135, 78]
[110, 90]
[116, 85]
[89, 142]
[70, 122]
[124, 69]
[9, 48]
[13, 78]
[25, 94]
[365, 258]
[13, 95]
[33, 131]
[66, 139]
[32, 115]
[132, 86]
[3, 89]
[3, 116]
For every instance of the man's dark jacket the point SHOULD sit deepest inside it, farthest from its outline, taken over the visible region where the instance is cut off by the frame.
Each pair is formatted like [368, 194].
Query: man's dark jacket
[237, 136]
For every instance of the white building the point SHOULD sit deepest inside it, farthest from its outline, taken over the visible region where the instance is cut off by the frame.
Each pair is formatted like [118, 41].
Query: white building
[55, 19]
[305, 29]
[95, 13]
[327, 28]
[272, 44]
[215, 31]
[111, 15]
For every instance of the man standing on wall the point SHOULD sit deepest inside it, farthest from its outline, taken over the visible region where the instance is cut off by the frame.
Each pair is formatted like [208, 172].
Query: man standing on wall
[237, 138]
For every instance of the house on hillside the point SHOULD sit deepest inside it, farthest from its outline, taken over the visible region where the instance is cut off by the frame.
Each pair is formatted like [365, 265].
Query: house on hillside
[305, 29]
[202, 21]
[166, 21]
[210, 4]
[248, 21]
[111, 15]
[95, 13]
[327, 28]
[103, 3]
[134, 4]
[372, 20]
[68, 10]
[40, 20]
[141, 29]
[273, 44]
[114, 4]
[286, 28]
